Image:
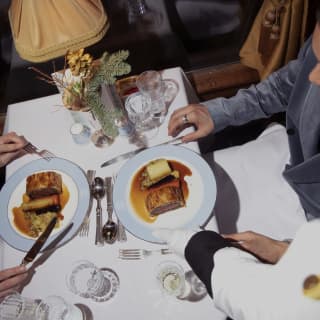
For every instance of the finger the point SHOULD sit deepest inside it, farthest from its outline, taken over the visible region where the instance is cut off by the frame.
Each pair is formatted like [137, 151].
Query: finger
[7, 157]
[8, 137]
[12, 282]
[9, 147]
[242, 236]
[177, 115]
[176, 125]
[192, 136]
[13, 140]
[201, 119]
[181, 111]
[10, 272]
[9, 291]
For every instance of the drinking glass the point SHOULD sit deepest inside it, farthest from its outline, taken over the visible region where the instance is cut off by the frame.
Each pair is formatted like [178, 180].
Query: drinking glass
[80, 133]
[56, 308]
[88, 281]
[140, 13]
[170, 276]
[139, 112]
[151, 85]
[16, 307]
[195, 290]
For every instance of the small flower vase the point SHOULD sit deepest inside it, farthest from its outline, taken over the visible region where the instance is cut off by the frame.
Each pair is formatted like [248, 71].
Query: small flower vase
[110, 112]
[83, 117]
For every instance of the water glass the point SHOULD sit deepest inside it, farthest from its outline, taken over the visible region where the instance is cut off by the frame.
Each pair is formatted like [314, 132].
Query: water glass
[151, 85]
[88, 281]
[139, 112]
[170, 276]
[136, 9]
[80, 133]
[195, 290]
[140, 13]
[16, 307]
[56, 308]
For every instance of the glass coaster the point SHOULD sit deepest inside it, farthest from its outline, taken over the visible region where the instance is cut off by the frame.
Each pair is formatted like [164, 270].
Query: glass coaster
[113, 287]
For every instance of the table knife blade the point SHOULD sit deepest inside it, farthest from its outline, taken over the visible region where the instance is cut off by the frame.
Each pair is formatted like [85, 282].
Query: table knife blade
[109, 189]
[129, 154]
[35, 249]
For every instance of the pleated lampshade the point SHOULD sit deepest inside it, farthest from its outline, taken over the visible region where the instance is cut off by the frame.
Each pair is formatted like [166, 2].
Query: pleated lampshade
[47, 29]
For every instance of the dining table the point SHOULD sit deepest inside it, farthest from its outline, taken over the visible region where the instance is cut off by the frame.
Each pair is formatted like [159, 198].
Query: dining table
[46, 123]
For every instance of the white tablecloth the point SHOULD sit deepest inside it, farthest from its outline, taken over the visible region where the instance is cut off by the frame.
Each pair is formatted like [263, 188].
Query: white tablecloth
[46, 124]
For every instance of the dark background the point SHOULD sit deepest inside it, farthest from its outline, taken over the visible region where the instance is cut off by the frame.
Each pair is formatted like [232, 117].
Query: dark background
[191, 34]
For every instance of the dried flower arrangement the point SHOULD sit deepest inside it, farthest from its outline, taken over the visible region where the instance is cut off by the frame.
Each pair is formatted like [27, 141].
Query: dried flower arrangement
[81, 90]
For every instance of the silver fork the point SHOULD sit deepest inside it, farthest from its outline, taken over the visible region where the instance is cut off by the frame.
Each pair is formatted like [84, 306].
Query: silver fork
[137, 254]
[85, 226]
[45, 154]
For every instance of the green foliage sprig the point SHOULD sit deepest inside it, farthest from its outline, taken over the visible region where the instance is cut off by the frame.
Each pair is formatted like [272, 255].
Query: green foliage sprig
[109, 68]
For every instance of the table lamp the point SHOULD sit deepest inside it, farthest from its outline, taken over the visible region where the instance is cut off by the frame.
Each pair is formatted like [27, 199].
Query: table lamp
[47, 29]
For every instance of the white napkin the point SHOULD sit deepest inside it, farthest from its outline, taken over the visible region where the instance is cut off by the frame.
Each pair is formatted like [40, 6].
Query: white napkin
[176, 239]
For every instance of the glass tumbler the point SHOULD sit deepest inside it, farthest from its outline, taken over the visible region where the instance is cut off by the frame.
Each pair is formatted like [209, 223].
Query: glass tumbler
[88, 281]
[80, 133]
[16, 307]
[171, 278]
[56, 308]
[151, 85]
[139, 113]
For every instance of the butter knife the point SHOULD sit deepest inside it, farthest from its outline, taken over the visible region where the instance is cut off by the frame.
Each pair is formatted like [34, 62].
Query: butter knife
[35, 249]
[134, 152]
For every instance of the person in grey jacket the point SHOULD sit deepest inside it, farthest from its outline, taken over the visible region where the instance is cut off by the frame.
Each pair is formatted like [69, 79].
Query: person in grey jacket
[256, 278]
[295, 89]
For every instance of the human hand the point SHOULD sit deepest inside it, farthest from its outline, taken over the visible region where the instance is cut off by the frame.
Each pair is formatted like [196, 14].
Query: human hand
[10, 147]
[263, 247]
[11, 278]
[196, 115]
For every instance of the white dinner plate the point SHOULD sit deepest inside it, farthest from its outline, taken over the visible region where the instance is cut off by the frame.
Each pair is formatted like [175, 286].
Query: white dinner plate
[199, 204]
[74, 211]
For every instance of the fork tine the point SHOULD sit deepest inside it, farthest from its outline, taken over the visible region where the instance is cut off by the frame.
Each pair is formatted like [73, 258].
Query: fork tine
[130, 254]
[85, 226]
[166, 251]
[48, 153]
[29, 148]
[129, 258]
[130, 250]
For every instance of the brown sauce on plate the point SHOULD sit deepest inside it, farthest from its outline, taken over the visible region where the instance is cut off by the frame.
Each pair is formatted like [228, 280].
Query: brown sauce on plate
[138, 196]
[23, 224]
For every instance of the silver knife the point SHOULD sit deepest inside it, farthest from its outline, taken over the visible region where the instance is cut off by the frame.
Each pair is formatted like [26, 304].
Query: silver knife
[35, 249]
[134, 152]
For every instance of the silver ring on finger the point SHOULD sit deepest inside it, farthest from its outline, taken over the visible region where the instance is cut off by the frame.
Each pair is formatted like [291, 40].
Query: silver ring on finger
[185, 119]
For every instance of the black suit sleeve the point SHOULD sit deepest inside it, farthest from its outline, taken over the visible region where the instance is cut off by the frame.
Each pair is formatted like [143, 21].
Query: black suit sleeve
[199, 253]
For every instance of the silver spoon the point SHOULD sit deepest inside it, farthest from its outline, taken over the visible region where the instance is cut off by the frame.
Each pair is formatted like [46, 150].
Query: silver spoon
[98, 193]
[110, 229]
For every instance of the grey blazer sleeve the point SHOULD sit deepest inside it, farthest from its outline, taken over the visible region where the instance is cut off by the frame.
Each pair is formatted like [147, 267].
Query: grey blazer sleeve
[259, 101]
